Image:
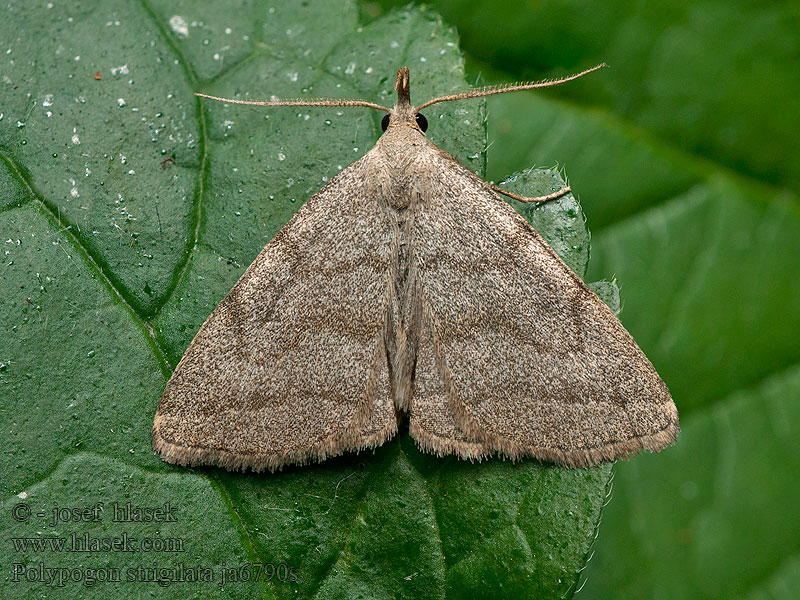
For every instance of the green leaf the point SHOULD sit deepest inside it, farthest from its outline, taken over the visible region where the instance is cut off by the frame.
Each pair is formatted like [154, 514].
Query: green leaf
[90, 504]
[92, 149]
[738, 459]
[685, 152]
[77, 370]
[621, 169]
[108, 273]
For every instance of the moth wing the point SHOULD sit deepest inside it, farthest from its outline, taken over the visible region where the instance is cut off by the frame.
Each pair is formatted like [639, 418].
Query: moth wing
[516, 354]
[291, 366]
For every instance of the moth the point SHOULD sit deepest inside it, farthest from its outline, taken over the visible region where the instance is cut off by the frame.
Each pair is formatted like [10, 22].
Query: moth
[407, 287]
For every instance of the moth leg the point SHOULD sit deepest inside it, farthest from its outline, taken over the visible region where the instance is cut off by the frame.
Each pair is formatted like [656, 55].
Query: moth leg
[562, 192]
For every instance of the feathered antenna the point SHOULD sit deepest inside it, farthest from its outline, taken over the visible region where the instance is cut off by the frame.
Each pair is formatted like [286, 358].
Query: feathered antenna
[473, 93]
[508, 87]
[299, 102]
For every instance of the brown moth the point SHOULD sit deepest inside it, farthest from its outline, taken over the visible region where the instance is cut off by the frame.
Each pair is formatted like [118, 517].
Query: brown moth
[407, 286]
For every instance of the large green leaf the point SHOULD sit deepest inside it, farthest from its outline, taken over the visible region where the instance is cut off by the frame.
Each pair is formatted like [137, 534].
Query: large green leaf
[129, 209]
[92, 149]
[51, 556]
[685, 150]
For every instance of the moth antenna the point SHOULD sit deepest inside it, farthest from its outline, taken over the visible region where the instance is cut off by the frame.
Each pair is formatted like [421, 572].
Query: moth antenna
[508, 87]
[298, 102]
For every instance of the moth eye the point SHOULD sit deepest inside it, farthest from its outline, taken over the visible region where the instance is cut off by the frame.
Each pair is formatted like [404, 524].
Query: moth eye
[385, 122]
[422, 122]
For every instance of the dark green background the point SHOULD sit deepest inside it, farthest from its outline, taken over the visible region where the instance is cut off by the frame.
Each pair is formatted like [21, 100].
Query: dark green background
[683, 153]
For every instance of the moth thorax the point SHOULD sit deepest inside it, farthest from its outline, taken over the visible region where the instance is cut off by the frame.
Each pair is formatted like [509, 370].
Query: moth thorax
[400, 193]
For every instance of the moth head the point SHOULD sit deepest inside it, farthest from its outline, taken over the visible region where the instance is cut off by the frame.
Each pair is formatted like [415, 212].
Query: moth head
[404, 114]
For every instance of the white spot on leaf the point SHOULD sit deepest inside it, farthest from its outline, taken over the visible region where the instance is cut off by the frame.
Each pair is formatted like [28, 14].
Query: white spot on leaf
[179, 25]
